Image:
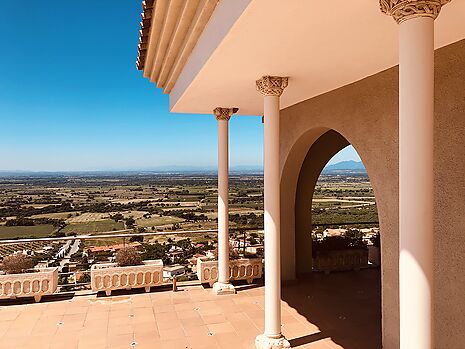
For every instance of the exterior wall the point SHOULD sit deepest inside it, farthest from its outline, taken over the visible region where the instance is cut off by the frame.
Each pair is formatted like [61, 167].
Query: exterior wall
[449, 194]
[366, 114]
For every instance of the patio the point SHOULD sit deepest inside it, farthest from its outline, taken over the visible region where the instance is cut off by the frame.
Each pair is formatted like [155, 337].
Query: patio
[341, 310]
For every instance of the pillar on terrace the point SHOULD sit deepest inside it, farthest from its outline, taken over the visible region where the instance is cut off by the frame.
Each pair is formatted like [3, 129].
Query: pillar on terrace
[271, 88]
[416, 123]
[223, 286]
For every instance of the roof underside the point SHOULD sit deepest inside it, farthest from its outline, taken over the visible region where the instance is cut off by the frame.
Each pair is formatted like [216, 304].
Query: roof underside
[171, 29]
[320, 45]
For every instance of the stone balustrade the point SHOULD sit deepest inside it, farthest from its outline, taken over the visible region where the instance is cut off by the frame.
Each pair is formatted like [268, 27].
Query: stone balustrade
[34, 284]
[337, 260]
[109, 277]
[239, 269]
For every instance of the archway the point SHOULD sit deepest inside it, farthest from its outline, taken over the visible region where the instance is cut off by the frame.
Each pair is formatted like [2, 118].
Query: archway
[352, 296]
[324, 148]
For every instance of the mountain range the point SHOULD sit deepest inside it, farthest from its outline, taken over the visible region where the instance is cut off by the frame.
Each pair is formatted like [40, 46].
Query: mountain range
[350, 165]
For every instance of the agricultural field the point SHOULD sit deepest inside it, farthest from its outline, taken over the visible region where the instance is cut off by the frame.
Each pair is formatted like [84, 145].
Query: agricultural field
[38, 231]
[99, 226]
[156, 221]
[344, 200]
[87, 217]
[98, 203]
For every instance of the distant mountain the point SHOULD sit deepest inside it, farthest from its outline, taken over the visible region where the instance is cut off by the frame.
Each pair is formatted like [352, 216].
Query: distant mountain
[210, 170]
[350, 165]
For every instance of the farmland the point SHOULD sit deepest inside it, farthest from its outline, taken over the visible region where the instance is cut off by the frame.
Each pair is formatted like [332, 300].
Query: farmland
[38, 231]
[114, 203]
[72, 204]
[97, 226]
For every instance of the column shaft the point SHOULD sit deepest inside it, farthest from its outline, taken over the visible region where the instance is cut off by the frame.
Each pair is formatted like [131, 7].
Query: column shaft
[223, 215]
[272, 218]
[416, 122]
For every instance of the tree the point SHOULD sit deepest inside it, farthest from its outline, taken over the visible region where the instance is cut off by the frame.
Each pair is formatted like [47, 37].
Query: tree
[117, 217]
[130, 222]
[156, 251]
[136, 239]
[187, 248]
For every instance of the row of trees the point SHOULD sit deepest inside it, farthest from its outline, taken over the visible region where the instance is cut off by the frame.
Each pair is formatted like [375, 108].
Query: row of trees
[22, 221]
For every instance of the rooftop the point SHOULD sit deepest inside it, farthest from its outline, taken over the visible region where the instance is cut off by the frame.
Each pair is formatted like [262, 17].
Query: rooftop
[340, 310]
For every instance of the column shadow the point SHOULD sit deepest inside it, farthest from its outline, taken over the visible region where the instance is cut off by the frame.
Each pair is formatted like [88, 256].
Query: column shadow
[345, 306]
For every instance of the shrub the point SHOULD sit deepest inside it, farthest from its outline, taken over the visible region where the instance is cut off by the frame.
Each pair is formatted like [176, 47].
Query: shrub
[337, 243]
[128, 256]
[376, 240]
[16, 264]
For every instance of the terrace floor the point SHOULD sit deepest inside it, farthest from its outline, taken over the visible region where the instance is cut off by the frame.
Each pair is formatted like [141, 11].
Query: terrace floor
[341, 310]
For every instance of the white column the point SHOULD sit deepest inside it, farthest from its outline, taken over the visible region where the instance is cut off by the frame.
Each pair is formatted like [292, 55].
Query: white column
[272, 88]
[223, 286]
[416, 176]
[416, 121]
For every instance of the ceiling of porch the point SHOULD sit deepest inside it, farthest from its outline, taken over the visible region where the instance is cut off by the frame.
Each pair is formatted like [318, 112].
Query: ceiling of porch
[320, 45]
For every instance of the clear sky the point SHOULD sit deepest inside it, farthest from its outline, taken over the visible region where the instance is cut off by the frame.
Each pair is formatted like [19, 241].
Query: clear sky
[72, 99]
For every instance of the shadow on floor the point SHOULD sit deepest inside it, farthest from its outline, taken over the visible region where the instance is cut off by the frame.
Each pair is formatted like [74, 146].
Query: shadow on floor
[30, 300]
[346, 306]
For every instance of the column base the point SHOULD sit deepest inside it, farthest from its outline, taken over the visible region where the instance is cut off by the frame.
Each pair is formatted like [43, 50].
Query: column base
[221, 288]
[264, 342]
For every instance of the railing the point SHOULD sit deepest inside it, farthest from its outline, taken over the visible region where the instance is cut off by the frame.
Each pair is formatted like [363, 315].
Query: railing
[64, 286]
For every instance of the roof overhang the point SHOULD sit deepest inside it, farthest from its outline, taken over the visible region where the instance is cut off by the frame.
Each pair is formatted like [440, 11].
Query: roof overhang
[319, 45]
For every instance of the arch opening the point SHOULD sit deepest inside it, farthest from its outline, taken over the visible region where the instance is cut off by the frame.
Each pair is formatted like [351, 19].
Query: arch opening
[337, 233]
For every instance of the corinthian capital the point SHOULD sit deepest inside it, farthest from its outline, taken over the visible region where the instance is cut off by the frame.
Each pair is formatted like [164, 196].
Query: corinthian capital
[401, 10]
[224, 113]
[272, 85]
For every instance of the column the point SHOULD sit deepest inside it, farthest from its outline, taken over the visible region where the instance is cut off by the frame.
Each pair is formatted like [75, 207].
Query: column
[223, 286]
[416, 182]
[271, 88]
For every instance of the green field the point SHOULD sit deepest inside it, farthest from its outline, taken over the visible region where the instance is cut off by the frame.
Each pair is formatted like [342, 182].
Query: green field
[37, 231]
[157, 221]
[93, 227]
[58, 215]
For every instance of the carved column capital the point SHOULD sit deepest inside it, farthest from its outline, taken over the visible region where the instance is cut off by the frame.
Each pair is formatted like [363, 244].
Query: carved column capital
[272, 85]
[402, 10]
[224, 113]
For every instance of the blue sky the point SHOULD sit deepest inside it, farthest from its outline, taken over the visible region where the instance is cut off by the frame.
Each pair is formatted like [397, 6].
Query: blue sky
[72, 99]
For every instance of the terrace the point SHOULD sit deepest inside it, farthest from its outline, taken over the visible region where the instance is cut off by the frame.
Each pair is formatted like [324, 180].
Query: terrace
[321, 312]
[323, 75]
[328, 76]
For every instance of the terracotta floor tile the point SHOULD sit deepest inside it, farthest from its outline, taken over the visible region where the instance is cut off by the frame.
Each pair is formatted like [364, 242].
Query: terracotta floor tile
[120, 330]
[192, 331]
[223, 327]
[172, 333]
[188, 314]
[202, 341]
[214, 319]
[177, 343]
[168, 324]
[163, 308]
[122, 340]
[228, 341]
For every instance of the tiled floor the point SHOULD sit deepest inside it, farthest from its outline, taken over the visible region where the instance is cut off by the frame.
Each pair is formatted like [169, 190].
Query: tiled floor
[323, 312]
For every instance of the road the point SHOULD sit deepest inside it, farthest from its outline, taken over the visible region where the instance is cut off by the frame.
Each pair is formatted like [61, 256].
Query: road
[73, 249]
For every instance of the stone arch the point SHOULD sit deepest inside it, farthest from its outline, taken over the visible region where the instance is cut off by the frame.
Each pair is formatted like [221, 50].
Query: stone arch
[304, 163]
[366, 115]
[306, 160]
